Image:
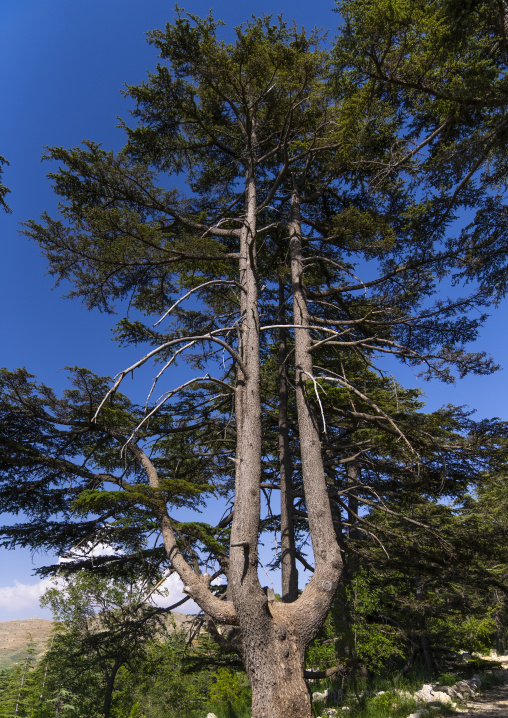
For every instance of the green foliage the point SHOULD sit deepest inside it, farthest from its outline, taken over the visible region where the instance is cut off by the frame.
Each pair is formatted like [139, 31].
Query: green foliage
[229, 693]
[447, 679]
[135, 711]
[375, 643]
[17, 687]
[102, 626]
[387, 705]
[492, 679]
[469, 633]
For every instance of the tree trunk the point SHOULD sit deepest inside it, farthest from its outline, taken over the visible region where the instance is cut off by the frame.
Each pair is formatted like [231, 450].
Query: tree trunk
[278, 686]
[327, 555]
[275, 664]
[110, 685]
[424, 639]
[289, 572]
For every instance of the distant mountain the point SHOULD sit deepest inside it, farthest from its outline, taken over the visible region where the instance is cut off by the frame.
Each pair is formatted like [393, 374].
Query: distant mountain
[15, 637]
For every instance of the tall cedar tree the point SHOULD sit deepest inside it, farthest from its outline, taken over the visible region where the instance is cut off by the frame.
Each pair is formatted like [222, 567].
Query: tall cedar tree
[287, 204]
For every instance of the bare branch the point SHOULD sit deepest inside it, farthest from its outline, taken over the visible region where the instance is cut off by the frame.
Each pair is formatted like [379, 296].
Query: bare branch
[203, 337]
[196, 289]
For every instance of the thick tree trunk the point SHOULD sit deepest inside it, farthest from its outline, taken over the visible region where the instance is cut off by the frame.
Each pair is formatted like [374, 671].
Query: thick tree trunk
[276, 676]
[272, 636]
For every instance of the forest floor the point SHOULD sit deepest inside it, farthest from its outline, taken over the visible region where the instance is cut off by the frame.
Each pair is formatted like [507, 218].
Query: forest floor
[494, 702]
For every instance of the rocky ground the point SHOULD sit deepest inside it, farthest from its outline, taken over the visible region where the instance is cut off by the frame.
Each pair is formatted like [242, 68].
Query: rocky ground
[493, 703]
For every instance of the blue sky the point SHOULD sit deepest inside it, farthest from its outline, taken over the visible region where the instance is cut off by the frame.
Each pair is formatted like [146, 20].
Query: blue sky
[62, 66]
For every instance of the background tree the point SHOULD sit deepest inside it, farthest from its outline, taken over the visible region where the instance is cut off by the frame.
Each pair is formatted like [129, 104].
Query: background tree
[101, 628]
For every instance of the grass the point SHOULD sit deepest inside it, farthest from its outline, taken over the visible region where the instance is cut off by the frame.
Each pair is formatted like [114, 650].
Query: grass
[491, 680]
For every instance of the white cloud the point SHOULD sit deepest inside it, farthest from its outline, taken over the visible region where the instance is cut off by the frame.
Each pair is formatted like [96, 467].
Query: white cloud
[23, 596]
[173, 586]
[22, 599]
[89, 551]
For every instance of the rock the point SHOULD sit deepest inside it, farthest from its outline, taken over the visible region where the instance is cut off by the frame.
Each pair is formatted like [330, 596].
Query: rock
[441, 697]
[449, 690]
[419, 714]
[475, 681]
[425, 693]
[321, 697]
[211, 715]
[465, 690]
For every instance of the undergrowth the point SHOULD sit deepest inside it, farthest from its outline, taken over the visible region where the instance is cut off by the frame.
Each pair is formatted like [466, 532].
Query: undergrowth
[367, 703]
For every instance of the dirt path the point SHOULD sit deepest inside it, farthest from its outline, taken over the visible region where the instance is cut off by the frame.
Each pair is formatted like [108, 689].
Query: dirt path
[492, 704]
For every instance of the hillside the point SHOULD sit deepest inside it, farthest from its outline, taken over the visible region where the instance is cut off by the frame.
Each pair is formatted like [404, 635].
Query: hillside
[16, 635]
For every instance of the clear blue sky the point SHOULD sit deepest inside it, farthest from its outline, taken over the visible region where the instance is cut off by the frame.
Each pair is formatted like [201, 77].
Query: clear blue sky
[62, 66]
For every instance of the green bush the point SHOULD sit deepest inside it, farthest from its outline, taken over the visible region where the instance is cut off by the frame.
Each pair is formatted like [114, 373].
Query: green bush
[230, 693]
[448, 679]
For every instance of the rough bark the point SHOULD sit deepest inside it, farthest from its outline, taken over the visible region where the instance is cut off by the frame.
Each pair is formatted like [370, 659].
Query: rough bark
[276, 676]
[327, 556]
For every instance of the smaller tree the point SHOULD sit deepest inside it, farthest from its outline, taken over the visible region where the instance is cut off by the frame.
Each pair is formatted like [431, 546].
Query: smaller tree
[16, 686]
[102, 626]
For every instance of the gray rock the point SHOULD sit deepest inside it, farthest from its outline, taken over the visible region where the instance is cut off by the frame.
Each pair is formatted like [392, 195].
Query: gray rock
[464, 689]
[475, 681]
